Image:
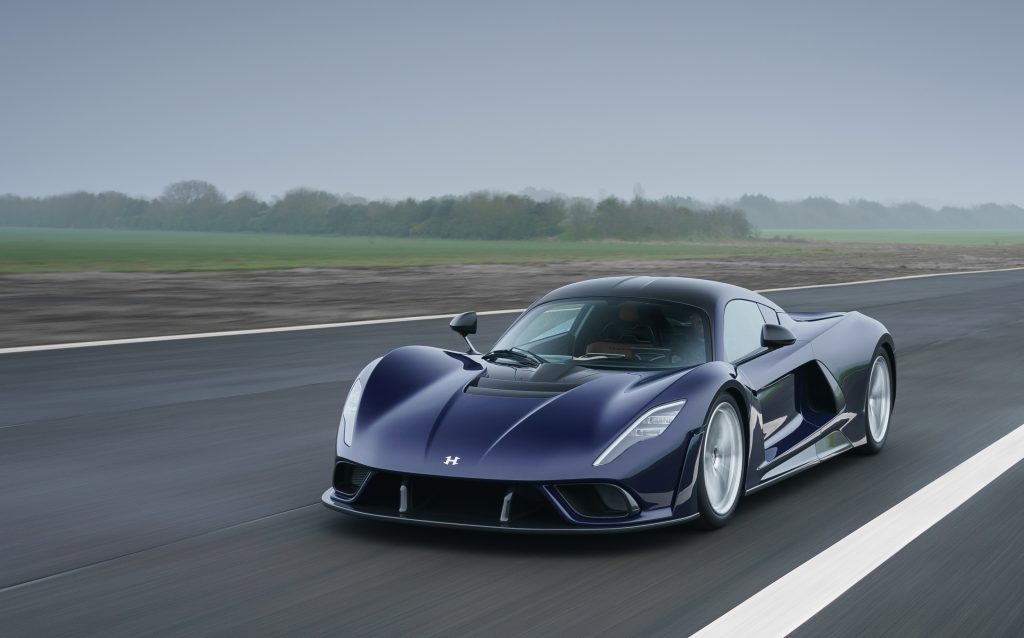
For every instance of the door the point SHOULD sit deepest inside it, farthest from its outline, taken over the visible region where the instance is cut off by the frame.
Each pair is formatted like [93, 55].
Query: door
[777, 426]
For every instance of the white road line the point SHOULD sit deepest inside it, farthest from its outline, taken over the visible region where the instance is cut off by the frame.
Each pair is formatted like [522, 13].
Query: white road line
[372, 322]
[235, 333]
[790, 601]
[890, 279]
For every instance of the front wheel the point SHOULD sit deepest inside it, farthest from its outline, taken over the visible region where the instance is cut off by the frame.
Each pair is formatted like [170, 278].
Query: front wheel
[721, 463]
[878, 403]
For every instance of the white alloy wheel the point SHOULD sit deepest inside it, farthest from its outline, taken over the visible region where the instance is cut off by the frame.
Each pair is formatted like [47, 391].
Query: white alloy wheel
[722, 459]
[879, 399]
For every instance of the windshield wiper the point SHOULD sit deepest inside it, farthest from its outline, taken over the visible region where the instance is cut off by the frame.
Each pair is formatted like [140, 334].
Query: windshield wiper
[521, 355]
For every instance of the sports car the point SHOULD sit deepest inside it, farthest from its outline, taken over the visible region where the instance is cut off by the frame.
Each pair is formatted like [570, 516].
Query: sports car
[612, 404]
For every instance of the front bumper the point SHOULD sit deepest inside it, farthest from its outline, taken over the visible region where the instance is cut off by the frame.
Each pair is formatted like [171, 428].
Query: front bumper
[329, 500]
[484, 505]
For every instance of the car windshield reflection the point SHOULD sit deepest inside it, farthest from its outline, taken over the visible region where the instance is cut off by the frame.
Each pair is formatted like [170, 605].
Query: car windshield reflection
[614, 333]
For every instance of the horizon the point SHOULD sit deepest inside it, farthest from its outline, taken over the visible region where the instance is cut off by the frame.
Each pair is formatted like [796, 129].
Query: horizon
[531, 192]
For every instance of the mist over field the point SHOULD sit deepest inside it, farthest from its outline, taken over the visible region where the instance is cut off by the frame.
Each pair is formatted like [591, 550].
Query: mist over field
[266, 144]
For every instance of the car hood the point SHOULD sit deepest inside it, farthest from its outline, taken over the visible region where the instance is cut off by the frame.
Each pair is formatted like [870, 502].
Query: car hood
[423, 408]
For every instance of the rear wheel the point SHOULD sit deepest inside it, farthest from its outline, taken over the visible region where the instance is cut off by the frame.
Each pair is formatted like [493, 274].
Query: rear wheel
[721, 463]
[878, 403]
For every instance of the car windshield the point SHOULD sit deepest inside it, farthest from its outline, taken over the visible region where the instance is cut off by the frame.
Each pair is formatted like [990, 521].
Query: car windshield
[610, 333]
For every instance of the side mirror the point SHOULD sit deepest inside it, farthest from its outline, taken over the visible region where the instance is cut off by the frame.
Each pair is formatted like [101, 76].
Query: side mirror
[776, 336]
[465, 325]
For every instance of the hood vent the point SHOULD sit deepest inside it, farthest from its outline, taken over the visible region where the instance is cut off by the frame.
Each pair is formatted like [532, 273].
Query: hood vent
[516, 388]
[544, 381]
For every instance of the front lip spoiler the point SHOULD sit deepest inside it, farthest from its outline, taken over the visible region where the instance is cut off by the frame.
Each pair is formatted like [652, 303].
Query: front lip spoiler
[330, 502]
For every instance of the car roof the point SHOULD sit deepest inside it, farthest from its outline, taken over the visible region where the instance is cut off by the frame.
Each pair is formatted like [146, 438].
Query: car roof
[701, 293]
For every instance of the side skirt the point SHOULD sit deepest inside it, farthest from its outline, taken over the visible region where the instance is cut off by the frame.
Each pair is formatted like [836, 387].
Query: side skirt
[828, 445]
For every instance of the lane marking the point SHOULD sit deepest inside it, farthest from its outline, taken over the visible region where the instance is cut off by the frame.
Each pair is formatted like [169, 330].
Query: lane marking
[903, 278]
[236, 333]
[792, 600]
[373, 322]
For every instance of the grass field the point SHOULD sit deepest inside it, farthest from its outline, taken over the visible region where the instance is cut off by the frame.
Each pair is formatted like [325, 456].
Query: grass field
[934, 237]
[70, 250]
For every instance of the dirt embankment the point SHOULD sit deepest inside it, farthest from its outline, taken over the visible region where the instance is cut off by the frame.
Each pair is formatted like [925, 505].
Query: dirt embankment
[64, 307]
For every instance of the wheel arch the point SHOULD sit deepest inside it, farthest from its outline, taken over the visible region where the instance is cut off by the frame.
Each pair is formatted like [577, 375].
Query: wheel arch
[684, 503]
[743, 403]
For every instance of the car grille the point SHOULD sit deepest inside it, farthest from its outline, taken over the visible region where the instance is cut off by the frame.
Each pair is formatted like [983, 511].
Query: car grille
[468, 502]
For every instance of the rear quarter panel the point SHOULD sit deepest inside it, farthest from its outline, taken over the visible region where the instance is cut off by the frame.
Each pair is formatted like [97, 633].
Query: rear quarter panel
[846, 348]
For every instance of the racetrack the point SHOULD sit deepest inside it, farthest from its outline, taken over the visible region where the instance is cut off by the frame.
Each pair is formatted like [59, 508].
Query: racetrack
[173, 487]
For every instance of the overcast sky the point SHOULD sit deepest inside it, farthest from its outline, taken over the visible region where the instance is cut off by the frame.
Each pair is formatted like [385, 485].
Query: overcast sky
[889, 100]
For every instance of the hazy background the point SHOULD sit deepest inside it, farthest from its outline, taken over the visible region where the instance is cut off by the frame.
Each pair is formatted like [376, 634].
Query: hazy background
[891, 101]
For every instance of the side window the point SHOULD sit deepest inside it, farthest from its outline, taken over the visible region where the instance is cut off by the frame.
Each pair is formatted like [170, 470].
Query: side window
[741, 333]
[770, 316]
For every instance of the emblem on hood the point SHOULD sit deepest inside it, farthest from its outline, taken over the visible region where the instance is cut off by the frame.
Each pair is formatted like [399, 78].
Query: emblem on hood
[451, 460]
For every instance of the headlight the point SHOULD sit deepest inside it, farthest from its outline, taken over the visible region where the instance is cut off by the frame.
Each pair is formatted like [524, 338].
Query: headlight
[348, 413]
[351, 409]
[651, 424]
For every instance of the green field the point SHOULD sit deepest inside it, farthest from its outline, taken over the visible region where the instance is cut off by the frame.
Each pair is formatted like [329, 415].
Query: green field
[941, 237]
[68, 250]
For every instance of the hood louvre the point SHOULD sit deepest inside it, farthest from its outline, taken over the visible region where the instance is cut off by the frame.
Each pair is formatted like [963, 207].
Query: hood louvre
[543, 382]
[517, 388]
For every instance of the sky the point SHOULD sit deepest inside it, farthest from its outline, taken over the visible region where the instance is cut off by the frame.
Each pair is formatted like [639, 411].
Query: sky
[892, 101]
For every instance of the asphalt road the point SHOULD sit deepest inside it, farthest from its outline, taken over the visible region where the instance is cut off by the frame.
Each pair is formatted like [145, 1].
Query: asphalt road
[173, 488]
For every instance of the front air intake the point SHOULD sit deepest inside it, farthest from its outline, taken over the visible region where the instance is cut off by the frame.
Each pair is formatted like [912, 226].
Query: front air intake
[598, 500]
[349, 477]
[459, 501]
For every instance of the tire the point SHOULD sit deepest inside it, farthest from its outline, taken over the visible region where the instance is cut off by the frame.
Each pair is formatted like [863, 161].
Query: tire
[878, 400]
[721, 464]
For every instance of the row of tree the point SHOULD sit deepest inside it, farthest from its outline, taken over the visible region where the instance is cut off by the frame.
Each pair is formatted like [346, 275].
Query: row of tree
[199, 206]
[822, 212]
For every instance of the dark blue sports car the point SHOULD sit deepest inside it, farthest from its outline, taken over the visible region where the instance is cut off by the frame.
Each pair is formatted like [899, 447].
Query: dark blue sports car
[612, 404]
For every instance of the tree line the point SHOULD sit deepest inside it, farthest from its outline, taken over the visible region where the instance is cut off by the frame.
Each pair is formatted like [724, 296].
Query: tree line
[822, 212]
[199, 206]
